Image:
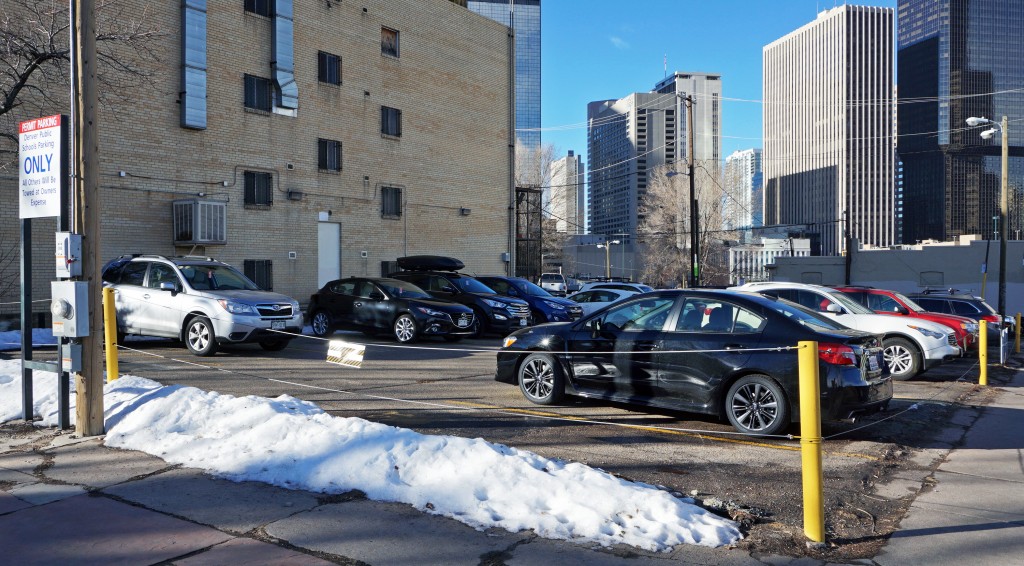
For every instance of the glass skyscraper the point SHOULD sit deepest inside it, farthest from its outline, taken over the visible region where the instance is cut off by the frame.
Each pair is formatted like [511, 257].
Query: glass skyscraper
[527, 29]
[957, 59]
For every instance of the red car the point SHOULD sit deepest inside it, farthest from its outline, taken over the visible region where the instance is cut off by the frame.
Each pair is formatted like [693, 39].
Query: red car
[883, 301]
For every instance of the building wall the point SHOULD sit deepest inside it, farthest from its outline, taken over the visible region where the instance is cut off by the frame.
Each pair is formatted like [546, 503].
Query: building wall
[828, 126]
[563, 195]
[706, 90]
[450, 81]
[743, 182]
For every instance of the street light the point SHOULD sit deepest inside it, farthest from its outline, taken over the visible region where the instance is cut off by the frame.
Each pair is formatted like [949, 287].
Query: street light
[607, 245]
[987, 134]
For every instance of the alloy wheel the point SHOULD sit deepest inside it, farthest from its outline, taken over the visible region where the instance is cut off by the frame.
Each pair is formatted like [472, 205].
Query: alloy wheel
[320, 324]
[755, 407]
[538, 378]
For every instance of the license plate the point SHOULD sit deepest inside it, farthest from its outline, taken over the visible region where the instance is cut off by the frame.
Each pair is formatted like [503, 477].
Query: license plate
[463, 323]
[277, 325]
[873, 363]
[522, 322]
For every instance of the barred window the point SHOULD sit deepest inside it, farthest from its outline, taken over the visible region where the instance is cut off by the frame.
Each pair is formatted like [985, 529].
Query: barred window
[389, 41]
[259, 188]
[329, 68]
[261, 272]
[261, 7]
[390, 121]
[329, 155]
[391, 202]
[258, 93]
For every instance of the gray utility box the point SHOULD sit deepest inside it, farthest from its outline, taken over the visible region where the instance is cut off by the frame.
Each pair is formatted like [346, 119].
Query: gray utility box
[68, 255]
[70, 308]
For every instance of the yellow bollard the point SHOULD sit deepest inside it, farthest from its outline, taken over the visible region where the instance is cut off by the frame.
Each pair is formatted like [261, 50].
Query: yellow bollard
[983, 351]
[1016, 332]
[110, 333]
[810, 441]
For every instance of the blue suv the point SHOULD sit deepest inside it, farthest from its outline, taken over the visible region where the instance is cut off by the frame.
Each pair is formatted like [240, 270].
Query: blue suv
[544, 306]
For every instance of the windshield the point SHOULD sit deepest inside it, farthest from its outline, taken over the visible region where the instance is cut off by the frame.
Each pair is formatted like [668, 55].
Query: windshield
[530, 289]
[403, 290]
[910, 304]
[805, 316]
[551, 278]
[470, 285]
[850, 304]
[216, 278]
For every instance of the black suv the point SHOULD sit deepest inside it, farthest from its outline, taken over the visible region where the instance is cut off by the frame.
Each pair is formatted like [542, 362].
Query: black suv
[439, 276]
[952, 301]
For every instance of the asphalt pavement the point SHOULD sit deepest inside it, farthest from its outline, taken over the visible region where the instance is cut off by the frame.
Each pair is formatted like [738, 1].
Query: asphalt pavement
[68, 500]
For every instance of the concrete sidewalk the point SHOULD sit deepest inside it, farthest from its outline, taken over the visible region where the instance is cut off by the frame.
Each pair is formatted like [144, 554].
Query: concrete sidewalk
[74, 501]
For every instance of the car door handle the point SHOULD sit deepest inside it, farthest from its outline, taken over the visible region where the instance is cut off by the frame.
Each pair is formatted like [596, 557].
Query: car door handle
[358, 303]
[734, 346]
[648, 345]
[146, 296]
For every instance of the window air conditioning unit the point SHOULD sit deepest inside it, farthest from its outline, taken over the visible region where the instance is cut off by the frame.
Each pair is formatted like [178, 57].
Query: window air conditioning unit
[198, 221]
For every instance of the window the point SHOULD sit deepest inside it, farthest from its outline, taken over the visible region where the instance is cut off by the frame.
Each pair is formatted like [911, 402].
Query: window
[261, 7]
[391, 202]
[161, 273]
[329, 68]
[390, 121]
[258, 93]
[134, 273]
[259, 188]
[389, 42]
[329, 155]
[261, 272]
[645, 314]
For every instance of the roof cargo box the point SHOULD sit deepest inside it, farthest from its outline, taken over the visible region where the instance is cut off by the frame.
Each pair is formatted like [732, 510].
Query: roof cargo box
[429, 263]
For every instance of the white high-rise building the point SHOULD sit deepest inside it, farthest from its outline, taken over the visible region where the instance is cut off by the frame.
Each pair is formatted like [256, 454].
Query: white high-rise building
[564, 194]
[828, 127]
[742, 201]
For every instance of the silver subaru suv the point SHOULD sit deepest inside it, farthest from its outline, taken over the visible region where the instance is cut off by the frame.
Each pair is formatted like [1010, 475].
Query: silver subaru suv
[199, 300]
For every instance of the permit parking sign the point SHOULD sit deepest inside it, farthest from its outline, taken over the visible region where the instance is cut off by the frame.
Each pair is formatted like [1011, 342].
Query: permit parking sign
[41, 165]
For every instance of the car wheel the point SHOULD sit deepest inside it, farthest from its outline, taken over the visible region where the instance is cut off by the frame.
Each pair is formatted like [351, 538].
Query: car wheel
[321, 323]
[539, 318]
[200, 338]
[902, 358]
[541, 379]
[405, 329]
[274, 345]
[756, 404]
[478, 328]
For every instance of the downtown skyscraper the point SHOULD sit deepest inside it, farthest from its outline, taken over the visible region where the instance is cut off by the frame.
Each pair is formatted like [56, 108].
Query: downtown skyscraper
[958, 59]
[523, 16]
[563, 197]
[828, 128]
[743, 198]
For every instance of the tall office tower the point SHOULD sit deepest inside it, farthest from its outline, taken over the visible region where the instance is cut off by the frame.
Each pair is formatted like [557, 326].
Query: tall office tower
[526, 24]
[742, 200]
[706, 90]
[828, 160]
[957, 59]
[625, 139]
[564, 194]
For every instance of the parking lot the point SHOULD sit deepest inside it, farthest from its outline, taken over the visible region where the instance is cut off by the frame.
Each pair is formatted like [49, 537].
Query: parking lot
[872, 467]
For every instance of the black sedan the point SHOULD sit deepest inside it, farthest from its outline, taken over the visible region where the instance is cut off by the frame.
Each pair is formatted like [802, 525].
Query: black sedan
[377, 304]
[704, 351]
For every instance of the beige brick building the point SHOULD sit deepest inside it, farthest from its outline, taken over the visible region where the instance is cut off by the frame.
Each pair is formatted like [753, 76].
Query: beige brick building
[392, 140]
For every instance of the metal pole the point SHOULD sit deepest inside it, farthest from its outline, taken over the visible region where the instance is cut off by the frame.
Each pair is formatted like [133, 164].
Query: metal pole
[1002, 225]
[26, 318]
[810, 441]
[694, 216]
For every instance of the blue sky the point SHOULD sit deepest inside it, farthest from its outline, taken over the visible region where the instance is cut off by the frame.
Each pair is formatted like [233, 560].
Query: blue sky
[605, 49]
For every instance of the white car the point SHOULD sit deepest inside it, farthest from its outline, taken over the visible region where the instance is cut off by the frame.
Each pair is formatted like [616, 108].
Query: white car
[911, 346]
[617, 286]
[597, 299]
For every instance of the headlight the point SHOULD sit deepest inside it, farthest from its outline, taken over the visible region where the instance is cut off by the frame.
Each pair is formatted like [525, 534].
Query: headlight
[429, 312]
[927, 332]
[495, 304]
[555, 306]
[971, 327]
[236, 308]
[509, 340]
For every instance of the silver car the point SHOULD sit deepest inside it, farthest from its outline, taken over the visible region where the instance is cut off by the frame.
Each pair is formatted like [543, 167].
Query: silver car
[201, 301]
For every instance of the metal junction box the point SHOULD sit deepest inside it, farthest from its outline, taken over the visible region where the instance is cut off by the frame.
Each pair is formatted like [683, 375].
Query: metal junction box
[70, 308]
[68, 255]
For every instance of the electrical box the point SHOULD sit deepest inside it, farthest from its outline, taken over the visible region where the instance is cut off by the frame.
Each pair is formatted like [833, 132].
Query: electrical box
[71, 357]
[69, 306]
[68, 255]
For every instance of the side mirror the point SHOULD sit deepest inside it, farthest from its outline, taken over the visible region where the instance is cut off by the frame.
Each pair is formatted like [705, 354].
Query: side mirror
[833, 307]
[168, 286]
[899, 309]
[376, 296]
[512, 292]
[448, 289]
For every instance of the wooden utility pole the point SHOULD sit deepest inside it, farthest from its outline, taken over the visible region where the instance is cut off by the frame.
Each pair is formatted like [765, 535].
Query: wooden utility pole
[88, 383]
[694, 213]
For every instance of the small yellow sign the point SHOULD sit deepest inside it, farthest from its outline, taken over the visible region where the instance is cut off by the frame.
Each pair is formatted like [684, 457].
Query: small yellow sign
[345, 353]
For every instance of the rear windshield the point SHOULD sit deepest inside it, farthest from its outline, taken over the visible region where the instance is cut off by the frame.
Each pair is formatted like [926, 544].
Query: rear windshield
[470, 285]
[805, 316]
[552, 278]
[403, 289]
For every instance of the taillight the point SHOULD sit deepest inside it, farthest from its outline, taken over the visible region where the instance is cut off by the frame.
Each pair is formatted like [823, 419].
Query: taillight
[993, 318]
[837, 354]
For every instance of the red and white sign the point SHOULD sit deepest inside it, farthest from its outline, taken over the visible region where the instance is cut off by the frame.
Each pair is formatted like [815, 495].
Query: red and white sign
[39, 167]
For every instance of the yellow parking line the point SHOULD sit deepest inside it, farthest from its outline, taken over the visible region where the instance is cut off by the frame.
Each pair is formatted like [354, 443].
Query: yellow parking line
[708, 436]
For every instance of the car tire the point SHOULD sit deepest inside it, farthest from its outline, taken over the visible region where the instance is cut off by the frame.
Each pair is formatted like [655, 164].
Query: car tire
[541, 379]
[539, 318]
[756, 404]
[479, 324]
[200, 337]
[405, 330]
[320, 322]
[274, 345]
[902, 358]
